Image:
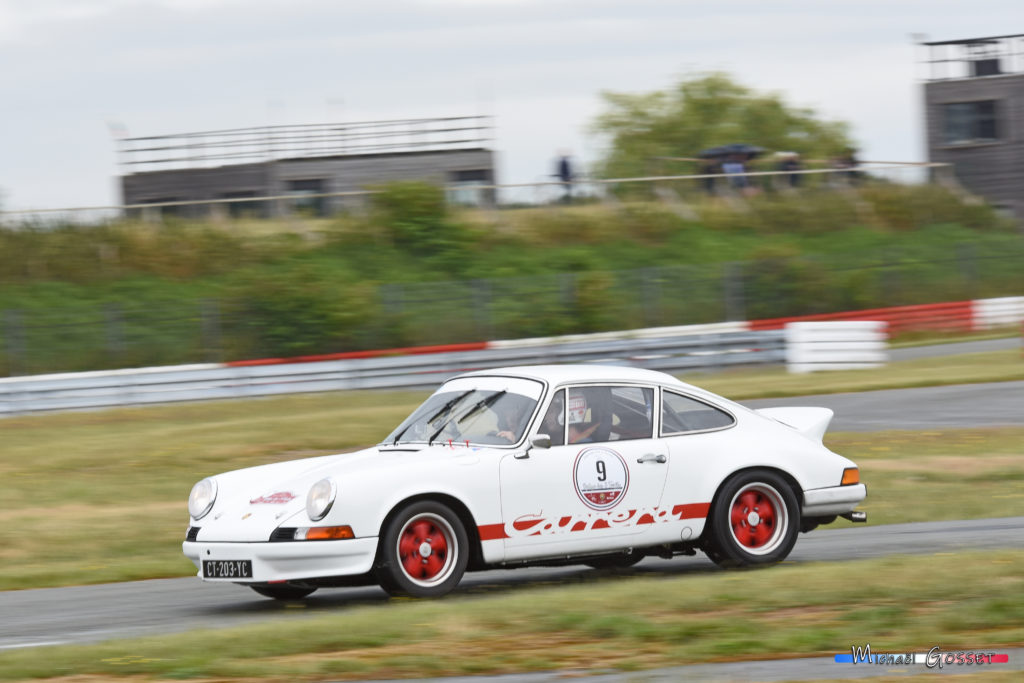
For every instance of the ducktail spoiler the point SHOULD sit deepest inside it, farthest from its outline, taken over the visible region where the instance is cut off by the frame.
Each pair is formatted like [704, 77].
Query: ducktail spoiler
[811, 422]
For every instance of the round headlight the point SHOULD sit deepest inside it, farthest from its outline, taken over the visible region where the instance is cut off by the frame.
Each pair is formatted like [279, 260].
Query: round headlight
[320, 499]
[200, 501]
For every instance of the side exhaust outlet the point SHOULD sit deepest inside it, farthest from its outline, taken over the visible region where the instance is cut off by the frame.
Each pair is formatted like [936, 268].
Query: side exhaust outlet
[855, 516]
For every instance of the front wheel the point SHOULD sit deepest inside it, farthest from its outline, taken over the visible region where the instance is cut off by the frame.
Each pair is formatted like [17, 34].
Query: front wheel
[754, 521]
[424, 551]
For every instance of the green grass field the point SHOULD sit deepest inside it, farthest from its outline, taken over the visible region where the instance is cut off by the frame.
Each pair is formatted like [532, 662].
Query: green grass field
[599, 622]
[100, 496]
[93, 497]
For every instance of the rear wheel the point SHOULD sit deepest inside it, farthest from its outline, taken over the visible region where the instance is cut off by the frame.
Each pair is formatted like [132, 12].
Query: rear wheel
[283, 591]
[424, 551]
[754, 521]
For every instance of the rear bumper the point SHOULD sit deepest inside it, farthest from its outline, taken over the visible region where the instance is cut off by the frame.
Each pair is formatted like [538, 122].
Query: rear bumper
[288, 561]
[833, 500]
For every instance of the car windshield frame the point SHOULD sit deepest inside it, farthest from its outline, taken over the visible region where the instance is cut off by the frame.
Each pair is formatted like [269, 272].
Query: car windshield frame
[473, 411]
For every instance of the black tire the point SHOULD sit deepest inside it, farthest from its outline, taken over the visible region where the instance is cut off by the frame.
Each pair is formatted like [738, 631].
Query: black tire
[282, 591]
[424, 551]
[754, 521]
[617, 561]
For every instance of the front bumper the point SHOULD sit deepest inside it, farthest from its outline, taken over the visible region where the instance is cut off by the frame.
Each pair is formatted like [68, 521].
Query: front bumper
[833, 500]
[290, 561]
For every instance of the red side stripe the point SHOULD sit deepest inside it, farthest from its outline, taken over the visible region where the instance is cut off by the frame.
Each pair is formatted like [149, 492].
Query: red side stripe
[494, 532]
[491, 532]
[692, 511]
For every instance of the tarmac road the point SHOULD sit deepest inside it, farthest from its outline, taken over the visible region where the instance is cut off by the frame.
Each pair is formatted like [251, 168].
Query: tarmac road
[92, 613]
[995, 404]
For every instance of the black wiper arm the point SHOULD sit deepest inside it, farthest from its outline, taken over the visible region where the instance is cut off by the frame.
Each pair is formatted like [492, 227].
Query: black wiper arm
[478, 406]
[449, 405]
[481, 404]
[441, 411]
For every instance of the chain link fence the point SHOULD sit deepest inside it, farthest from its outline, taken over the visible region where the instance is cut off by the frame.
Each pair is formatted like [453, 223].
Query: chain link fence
[116, 335]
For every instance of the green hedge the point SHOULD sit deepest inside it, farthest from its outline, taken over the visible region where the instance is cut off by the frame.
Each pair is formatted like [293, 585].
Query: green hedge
[409, 271]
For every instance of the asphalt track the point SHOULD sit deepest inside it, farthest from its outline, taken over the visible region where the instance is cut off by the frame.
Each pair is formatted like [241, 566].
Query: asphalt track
[82, 614]
[996, 404]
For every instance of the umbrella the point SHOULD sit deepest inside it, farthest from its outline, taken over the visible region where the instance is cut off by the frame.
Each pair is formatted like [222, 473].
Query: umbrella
[749, 151]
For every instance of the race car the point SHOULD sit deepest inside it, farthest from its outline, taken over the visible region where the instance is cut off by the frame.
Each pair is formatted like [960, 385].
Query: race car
[562, 464]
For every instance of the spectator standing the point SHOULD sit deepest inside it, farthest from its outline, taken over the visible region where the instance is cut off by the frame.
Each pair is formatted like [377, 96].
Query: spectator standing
[788, 163]
[564, 173]
[709, 168]
[848, 160]
[735, 168]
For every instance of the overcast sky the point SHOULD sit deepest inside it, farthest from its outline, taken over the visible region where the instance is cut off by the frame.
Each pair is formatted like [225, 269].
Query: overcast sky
[71, 68]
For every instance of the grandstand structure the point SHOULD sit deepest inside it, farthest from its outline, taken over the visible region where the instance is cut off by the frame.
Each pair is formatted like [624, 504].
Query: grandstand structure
[317, 169]
[974, 114]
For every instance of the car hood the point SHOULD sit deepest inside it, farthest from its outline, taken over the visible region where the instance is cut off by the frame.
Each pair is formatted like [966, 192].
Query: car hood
[252, 502]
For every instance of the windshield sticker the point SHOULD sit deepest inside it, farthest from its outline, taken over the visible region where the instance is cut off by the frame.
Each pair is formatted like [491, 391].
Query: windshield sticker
[601, 478]
[577, 409]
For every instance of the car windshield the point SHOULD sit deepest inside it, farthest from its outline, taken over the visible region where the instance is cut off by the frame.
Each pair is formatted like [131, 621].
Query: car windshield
[472, 410]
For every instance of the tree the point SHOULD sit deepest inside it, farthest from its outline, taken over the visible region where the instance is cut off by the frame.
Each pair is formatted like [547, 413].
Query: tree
[701, 112]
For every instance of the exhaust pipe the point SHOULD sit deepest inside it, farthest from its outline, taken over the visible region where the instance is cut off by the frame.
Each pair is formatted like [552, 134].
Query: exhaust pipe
[855, 516]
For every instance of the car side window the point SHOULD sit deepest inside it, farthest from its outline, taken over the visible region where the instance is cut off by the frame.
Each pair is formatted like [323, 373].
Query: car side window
[681, 414]
[609, 413]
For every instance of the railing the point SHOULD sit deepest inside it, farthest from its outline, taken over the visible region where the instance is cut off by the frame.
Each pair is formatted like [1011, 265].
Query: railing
[677, 190]
[90, 390]
[246, 145]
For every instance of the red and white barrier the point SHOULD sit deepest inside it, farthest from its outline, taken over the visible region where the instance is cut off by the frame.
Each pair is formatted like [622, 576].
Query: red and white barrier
[836, 345]
[954, 316]
[1005, 311]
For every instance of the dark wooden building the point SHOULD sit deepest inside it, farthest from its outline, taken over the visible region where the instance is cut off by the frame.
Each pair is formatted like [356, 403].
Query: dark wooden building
[974, 112]
[318, 168]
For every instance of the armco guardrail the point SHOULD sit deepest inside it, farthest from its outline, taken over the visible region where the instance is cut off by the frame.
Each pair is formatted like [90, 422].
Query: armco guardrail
[40, 393]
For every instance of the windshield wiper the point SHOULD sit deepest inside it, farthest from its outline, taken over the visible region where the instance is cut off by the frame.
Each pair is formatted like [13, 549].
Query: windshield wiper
[477, 407]
[481, 404]
[441, 411]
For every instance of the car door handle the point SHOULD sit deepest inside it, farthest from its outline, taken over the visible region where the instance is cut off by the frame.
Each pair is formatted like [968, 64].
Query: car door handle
[652, 457]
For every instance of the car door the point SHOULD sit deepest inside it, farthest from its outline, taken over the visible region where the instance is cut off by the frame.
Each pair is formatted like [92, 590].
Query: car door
[599, 484]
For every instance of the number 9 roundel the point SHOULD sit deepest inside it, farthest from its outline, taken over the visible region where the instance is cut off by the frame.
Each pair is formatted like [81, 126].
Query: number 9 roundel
[601, 478]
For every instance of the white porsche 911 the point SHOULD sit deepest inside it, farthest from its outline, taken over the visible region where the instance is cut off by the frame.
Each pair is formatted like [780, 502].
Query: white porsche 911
[586, 464]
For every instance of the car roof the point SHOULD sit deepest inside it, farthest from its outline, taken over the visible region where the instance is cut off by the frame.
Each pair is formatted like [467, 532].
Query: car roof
[591, 372]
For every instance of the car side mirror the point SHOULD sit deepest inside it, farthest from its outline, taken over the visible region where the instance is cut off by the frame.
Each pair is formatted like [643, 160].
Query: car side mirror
[540, 441]
[536, 441]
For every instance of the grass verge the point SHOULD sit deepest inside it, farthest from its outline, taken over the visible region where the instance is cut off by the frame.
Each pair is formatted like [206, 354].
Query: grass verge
[968, 368]
[959, 601]
[95, 497]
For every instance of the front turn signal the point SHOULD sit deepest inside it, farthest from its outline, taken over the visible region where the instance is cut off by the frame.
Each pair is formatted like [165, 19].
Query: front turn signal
[851, 475]
[328, 533]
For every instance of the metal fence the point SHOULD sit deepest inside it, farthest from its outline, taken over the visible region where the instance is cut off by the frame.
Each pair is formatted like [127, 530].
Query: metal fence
[677, 190]
[193, 383]
[123, 334]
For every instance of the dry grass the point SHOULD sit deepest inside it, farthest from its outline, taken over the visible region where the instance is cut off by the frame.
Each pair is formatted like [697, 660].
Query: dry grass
[100, 496]
[627, 621]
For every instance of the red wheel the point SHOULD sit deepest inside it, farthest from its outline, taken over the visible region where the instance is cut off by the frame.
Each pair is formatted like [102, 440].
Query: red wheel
[758, 517]
[754, 520]
[424, 551]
